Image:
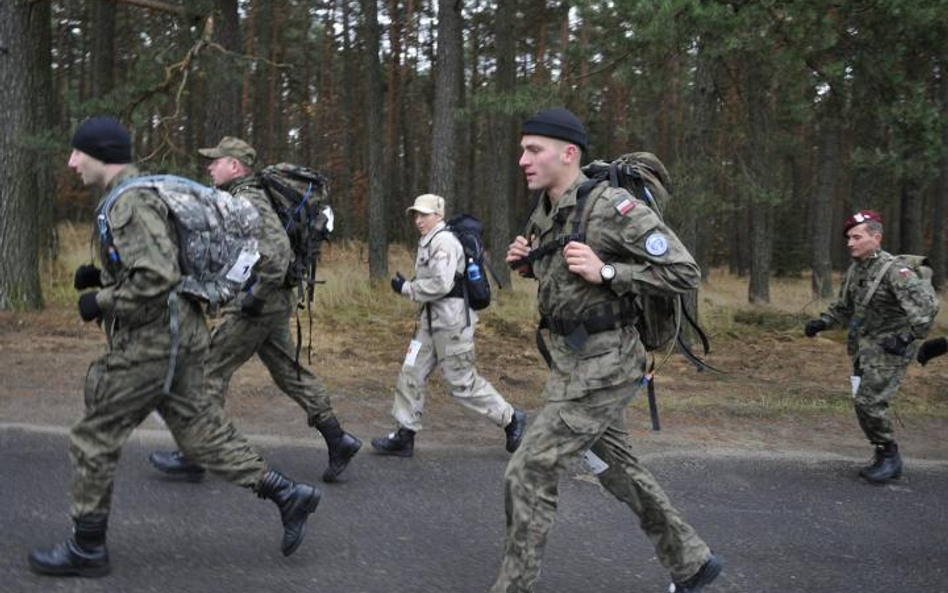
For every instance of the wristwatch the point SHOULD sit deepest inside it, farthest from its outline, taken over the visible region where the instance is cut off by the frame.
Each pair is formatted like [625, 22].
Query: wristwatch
[607, 272]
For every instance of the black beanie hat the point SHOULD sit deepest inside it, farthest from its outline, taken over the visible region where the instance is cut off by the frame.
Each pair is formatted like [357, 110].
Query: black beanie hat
[104, 138]
[556, 123]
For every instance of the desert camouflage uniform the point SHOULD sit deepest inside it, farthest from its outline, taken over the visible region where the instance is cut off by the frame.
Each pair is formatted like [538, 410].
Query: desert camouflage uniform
[446, 337]
[239, 335]
[589, 388]
[125, 385]
[903, 302]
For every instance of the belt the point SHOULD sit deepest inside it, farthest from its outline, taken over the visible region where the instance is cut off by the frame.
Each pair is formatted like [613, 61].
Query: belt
[603, 317]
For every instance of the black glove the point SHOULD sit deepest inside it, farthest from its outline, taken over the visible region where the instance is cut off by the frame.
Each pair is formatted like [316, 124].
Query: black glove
[251, 305]
[87, 276]
[932, 349]
[397, 281]
[897, 343]
[88, 308]
[813, 327]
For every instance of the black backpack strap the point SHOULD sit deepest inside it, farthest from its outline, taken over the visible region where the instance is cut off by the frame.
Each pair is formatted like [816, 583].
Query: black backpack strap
[577, 229]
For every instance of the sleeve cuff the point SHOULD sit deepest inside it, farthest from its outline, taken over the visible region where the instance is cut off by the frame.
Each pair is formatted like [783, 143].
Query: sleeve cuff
[105, 299]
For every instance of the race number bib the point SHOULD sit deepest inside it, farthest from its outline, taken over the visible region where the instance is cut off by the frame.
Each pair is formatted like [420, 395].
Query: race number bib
[413, 349]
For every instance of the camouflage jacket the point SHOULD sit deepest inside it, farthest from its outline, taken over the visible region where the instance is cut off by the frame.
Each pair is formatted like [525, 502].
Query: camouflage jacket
[439, 259]
[144, 267]
[903, 302]
[273, 243]
[647, 255]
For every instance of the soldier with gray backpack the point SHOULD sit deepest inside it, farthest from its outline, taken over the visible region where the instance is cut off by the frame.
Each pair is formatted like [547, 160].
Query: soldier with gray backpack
[295, 220]
[167, 247]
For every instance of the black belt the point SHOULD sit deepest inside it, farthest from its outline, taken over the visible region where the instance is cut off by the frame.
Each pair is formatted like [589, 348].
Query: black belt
[602, 318]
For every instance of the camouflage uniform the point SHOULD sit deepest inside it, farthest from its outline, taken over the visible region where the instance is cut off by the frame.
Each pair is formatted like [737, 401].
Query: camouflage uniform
[240, 335]
[446, 337]
[903, 302]
[125, 385]
[590, 387]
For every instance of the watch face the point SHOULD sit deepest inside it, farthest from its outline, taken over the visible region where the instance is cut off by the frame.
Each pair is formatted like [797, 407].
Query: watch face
[607, 272]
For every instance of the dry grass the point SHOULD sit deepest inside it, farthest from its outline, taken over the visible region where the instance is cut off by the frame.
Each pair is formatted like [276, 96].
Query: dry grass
[773, 370]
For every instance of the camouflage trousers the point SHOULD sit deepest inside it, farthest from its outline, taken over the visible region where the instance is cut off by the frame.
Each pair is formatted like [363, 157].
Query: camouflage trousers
[125, 385]
[880, 378]
[561, 432]
[240, 336]
[453, 350]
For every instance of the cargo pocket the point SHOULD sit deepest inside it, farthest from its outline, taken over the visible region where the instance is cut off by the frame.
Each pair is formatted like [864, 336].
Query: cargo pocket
[580, 423]
[96, 377]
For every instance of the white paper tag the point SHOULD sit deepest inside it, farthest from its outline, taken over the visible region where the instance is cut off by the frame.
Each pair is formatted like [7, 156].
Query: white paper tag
[595, 463]
[855, 381]
[413, 349]
[240, 271]
[330, 218]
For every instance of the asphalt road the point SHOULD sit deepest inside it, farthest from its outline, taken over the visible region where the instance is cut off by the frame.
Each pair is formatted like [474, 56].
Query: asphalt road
[435, 523]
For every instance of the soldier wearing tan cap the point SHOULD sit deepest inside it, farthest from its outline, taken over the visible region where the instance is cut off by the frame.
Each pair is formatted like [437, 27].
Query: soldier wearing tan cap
[261, 323]
[443, 337]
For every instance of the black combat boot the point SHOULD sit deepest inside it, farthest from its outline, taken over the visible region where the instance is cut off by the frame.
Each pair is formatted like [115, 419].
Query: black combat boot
[890, 468]
[342, 447]
[176, 463]
[82, 555]
[876, 460]
[296, 500]
[707, 573]
[400, 443]
[515, 429]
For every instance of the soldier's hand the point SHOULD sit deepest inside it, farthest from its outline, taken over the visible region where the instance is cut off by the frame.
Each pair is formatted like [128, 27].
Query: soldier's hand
[897, 343]
[87, 276]
[583, 261]
[932, 349]
[813, 327]
[251, 305]
[397, 282]
[516, 252]
[88, 307]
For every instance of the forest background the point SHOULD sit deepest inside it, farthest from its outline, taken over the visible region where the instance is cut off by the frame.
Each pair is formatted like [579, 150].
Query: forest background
[776, 118]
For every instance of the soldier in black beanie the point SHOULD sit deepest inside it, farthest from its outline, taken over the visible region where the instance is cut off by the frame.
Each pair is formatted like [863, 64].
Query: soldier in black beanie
[104, 138]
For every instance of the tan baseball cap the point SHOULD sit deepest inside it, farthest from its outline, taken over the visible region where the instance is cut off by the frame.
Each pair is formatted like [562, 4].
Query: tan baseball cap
[232, 147]
[427, 204]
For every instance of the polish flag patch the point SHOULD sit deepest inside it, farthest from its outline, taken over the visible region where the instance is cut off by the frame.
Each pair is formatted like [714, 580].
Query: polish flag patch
[625, 206]
[906, 273]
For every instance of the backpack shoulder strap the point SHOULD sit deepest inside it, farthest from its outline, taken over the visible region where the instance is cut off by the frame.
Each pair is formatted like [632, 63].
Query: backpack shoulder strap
[877, 281]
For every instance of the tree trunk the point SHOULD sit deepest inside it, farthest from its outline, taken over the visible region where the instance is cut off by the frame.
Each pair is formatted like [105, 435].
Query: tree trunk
[940, 210]
[911, 223]
[350, 155]
[374, 129]
[824, 197]
[761, 179]
[45, 126]
[444, 146]
[504, 142]
[19, 262]
[222, 116]
[102, 27]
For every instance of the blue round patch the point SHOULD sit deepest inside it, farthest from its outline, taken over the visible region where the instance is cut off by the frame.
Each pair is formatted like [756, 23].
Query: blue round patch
[656, 244]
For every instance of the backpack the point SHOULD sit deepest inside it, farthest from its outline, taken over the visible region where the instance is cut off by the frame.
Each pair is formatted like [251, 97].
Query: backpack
[917, 263]
[660, 317]
[216, 243]
[299, 196]
[472, 281]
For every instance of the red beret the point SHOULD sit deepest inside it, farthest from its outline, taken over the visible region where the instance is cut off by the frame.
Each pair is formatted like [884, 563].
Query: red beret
[861, 217]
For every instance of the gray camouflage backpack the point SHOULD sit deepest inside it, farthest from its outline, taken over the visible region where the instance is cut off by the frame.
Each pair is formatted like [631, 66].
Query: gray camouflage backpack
[216, 243]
